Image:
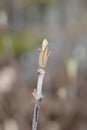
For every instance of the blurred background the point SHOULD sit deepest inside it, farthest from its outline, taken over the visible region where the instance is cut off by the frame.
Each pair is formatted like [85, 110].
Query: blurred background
[23, 26]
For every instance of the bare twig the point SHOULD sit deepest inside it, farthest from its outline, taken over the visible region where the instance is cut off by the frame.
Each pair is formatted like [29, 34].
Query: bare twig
[41, 72]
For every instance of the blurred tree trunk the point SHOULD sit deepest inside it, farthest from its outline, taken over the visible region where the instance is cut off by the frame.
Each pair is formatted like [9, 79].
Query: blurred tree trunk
[15, 14]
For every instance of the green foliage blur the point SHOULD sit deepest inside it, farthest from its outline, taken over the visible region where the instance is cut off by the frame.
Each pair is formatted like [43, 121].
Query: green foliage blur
[19, 43]
[40, 1]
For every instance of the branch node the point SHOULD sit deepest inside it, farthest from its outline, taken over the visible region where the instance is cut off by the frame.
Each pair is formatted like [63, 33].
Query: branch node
[39, 98]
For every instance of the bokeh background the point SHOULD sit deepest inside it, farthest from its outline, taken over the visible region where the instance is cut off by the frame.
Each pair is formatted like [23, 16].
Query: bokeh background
[23, 26]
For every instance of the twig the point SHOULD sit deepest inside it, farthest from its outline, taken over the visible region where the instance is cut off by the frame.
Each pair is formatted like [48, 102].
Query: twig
[41, 72]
